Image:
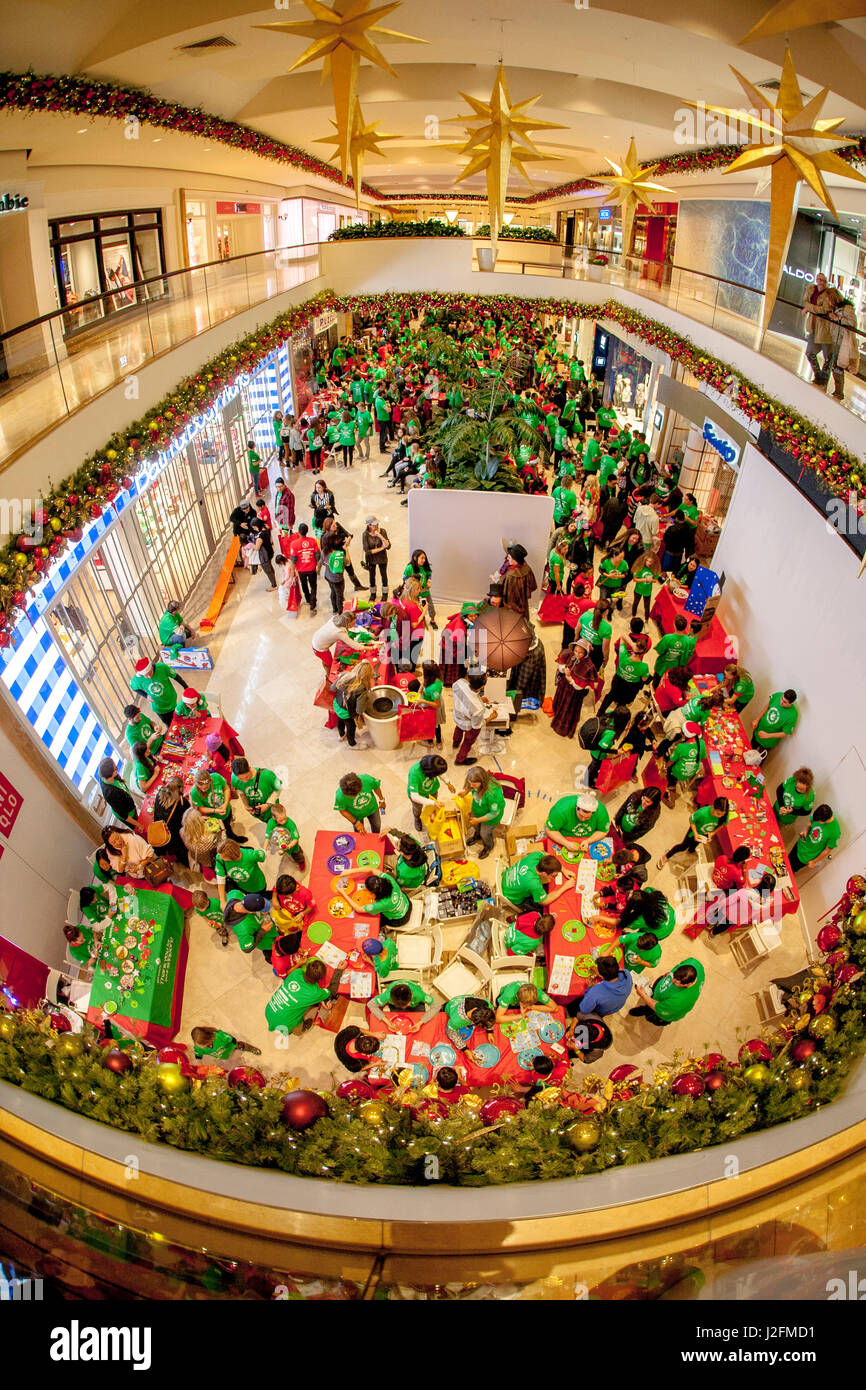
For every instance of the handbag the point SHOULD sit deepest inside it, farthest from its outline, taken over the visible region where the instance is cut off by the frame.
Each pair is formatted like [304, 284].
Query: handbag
[156, 870]
[158, 834]
[416, 722]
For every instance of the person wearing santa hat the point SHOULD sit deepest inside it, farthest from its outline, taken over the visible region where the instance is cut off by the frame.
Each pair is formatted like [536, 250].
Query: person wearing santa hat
[191, 702]
[154, 679]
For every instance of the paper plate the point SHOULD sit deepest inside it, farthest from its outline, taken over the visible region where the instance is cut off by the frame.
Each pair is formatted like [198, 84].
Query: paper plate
[551, 1030]
[442, 1055]
[601, 850]
[488, 1055]
[343, 844]
[400, 1023]
[319, 932]
[338, 908]
[526, 1058]
[573, 930]
[109, 1007]
[339, 863]
[369, 859]
[584, 966]
[569, 856]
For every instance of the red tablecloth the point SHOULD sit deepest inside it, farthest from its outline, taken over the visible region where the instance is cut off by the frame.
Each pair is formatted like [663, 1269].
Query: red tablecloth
[418, 1048]
[194, 731]
[333, 920]
[712, 652]
[754, 823]
[574, 938]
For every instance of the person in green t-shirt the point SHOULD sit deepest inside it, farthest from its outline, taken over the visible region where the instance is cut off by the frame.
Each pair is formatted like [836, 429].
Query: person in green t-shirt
[673, 996]
[211, 795]
[422, 786]
[613, 574]
[737, 687]
[817, 842]
[591, 452]
[238, 867]
[389, 901]
[254, 460]
[648, 910]
[605, 418]
[522, 998]
[594, 628]
[556, 567]
[776, 721]
[209, 908]
[155, 680]
[81, 944]
[631, 670]
[487, 809]
[528, 881]
[581, 818]
[257, 787]
[301, 990]
[685, 757]
[411, 865]
[214, 1042]
[644, 578]
[703, 825]
[359, 799]
[248, 916]
[140, 729]
[640, 950]
[404, 997]
[382, 953]
[795, 796]
[564, 501]
[674, 649]
[364, 421]
[145, 769]
[173, 631]
[525, 935]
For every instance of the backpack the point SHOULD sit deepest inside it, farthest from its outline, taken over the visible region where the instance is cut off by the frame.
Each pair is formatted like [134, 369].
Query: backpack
[337, 561]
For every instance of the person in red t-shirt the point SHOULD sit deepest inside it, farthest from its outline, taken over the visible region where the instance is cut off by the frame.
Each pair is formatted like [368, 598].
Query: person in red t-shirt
[577, 605]
[292, 905]
[447, 1083]
[304, 550]
[729, 871]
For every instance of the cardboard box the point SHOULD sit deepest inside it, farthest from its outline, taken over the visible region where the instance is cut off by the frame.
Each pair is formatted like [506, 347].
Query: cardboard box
[516, 833]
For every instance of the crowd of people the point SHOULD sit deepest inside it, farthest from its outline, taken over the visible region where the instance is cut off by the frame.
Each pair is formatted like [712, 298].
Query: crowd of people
[622, 526]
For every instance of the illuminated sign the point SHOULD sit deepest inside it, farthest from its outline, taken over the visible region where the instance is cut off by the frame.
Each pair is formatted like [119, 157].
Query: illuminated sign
[722, 443]
[14, 202]
[605, 214]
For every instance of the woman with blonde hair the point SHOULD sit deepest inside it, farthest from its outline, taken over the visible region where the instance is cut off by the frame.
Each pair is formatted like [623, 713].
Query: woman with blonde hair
[201, 835]
[169, 806]
[352, 699]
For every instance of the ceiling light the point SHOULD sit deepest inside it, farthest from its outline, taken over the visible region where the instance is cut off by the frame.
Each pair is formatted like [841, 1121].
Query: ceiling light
[82, 132]
[158, 141]
[508, 218]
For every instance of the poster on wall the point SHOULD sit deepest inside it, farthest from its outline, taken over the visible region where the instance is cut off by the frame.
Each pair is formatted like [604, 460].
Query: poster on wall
[626, 378]
[302, 370]
[11, 802]
[116, 267]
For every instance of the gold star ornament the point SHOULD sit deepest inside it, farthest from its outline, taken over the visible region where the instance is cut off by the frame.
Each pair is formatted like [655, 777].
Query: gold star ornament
[500, 133]
[802, 14]
[342, 35]
[631, 186]
[365, 139]
[794, 145]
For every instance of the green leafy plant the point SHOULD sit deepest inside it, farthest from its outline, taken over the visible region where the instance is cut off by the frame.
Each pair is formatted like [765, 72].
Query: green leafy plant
[359, 231]
[519, 233]
[480, 442]
[598, 259]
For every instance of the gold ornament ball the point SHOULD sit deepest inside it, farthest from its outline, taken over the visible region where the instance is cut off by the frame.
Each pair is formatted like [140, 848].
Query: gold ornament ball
[824, 1026]
[69, 1045]
[7, 1026]
[757, 1074]
[583, 1136]
[171, 1078]
[798, 1081]
[371, 1112]
[857, 923]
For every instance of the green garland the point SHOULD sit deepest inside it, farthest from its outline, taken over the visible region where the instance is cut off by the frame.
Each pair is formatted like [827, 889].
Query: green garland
[694, 1103]
[376, 231]
[513, 233]
[71, 504]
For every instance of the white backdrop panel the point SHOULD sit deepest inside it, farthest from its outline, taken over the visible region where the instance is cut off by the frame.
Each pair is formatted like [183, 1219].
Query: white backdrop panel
[461, 533]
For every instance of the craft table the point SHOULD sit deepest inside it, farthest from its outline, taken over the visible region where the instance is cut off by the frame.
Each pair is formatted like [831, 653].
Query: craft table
[508, 1050]
[568, 948]
[753, 822]
[335, 932]
[712, 654]
[138, 977]
[183, 754]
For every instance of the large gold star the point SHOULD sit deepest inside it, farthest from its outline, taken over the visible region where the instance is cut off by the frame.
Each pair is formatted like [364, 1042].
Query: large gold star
[802, 14]
[794, 145]
[364, 140]
[500, 127]
[631, 187]
[342, 36]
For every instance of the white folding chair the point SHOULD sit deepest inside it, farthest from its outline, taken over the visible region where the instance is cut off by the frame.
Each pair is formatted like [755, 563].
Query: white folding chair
[421, 952]
[415, 920]
[466, 974]
[497, 938]
[748, 947]
[510, 970]
[73, 907]
[214, 701]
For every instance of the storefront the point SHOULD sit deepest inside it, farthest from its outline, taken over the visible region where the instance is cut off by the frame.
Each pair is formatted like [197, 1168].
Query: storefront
[821, 244]
[703, 431]
[325, 337]
[218, 229]
[104, 252]
[306, 221]
[97, 611]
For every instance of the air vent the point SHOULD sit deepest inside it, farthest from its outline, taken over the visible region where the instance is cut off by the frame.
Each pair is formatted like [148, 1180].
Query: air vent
[773, 84]
[204, 45]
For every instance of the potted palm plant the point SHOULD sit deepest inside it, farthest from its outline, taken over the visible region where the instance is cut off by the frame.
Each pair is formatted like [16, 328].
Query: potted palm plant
[481, 441]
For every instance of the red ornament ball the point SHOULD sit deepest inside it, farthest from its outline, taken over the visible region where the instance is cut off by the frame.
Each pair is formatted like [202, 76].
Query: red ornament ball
[499, 1108]
[755, 1049]
[354, 1091]
[803, 1049]
[713, 1061]
[431, 1110]
[688, 1085]
[856, 886]
[828, 938]
[624, 1072]
[715, 1080]
[303, 1108]
[117, 1060]
[847, 972]
[245, 1076]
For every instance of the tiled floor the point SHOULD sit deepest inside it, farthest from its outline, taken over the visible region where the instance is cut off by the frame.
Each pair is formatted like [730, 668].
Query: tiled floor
[266, 674]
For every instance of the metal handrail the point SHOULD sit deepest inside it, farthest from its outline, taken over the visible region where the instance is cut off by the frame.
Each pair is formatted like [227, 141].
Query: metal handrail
[312, 246]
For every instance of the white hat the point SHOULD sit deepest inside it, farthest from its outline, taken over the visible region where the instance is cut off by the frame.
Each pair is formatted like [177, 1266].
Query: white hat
[587, 802]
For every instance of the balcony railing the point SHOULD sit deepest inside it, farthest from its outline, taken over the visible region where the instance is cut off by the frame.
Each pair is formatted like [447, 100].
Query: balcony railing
[56, 364]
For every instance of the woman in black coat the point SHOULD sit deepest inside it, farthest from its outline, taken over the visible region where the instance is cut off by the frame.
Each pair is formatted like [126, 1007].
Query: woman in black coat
[638, 814]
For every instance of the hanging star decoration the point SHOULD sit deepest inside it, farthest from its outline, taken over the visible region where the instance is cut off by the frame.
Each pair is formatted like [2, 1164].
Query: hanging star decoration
[793, 145]
[342, 36]
[803, 14]
[499, 135]
[631, 186]
[365, 139]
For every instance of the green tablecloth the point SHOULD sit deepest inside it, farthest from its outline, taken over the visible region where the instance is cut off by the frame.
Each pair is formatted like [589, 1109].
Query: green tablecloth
[149, 928]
